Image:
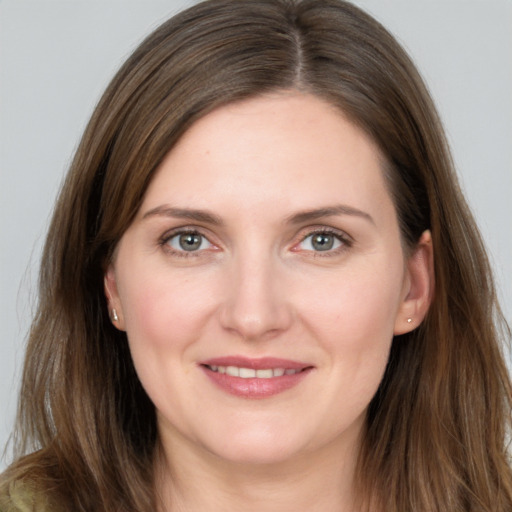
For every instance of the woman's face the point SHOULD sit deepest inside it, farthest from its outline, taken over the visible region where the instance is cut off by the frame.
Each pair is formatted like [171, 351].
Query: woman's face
[262, 281]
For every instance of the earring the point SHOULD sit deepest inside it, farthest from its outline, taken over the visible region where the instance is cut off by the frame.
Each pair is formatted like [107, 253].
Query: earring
[409, 320]
[113, 315]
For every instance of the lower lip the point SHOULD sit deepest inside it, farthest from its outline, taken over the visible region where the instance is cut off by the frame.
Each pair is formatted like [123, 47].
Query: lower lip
[255, 388]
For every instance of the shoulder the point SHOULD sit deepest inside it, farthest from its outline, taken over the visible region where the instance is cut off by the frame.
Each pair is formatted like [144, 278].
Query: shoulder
[17, 496]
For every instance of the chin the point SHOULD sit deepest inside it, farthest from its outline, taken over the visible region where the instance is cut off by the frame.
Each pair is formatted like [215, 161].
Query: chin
[258, 447]
[258, 455]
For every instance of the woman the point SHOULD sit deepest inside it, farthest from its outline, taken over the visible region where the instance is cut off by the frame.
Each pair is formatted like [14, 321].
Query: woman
[262, 288]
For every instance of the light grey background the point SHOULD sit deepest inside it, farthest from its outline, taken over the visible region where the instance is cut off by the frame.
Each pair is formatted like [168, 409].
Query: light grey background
[56, 57]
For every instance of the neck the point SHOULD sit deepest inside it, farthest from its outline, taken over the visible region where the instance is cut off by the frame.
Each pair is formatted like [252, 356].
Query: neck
[199, 481]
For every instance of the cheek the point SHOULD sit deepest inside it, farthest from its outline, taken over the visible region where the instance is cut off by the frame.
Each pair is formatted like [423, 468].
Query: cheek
[165, 315]
[164, 311]
[353, 316]
[360, 301]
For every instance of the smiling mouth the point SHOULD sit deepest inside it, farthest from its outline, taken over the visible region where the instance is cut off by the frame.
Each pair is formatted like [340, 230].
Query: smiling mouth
[251, 373]
[255, 378]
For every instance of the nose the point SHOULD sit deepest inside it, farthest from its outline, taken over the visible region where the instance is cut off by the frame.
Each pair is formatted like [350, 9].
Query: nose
[255, 306]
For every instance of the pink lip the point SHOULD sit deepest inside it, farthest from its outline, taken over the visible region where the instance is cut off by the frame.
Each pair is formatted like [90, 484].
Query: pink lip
[255, 388]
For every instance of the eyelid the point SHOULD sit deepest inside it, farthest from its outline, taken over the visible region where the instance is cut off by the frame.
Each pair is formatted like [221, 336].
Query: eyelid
[346, 240]
[184, 230]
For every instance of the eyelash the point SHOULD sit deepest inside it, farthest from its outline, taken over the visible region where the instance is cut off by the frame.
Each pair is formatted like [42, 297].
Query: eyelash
[167, 237]
[345, 241]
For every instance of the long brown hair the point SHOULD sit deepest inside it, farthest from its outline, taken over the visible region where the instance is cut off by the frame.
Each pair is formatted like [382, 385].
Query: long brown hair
[436, 429]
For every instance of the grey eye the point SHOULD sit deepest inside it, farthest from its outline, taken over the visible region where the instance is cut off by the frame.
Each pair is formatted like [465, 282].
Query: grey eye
[320, 242]
[188, 242]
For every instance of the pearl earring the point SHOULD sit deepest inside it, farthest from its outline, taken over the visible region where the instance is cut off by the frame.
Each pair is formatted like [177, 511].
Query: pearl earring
[409, 320]
[113, 315]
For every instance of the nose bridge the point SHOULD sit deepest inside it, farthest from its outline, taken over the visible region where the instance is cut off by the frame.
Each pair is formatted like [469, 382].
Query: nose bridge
[255, 306]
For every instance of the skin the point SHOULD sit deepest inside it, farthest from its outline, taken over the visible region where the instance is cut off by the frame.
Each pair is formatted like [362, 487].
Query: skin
[257, 286]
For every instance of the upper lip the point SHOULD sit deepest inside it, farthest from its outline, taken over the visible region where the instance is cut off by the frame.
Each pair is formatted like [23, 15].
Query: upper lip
[256, 363]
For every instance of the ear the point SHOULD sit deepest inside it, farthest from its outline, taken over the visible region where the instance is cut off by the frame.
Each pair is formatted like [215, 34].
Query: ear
[115, 310]
[418, 286]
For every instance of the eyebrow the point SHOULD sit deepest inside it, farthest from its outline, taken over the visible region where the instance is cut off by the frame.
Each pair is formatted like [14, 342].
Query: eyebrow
[297, 218]
[184, 213]
[330, 211]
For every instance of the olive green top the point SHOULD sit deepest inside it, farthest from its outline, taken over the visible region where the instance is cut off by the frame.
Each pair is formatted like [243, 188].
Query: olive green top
[19, 497]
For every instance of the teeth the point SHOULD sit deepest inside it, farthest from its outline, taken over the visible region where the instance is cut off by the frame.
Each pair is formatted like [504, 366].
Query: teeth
[264, 374]
[249, 373]
[233, 371]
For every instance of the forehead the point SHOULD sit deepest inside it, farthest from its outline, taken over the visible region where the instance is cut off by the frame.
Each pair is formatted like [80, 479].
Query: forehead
[285, 149]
